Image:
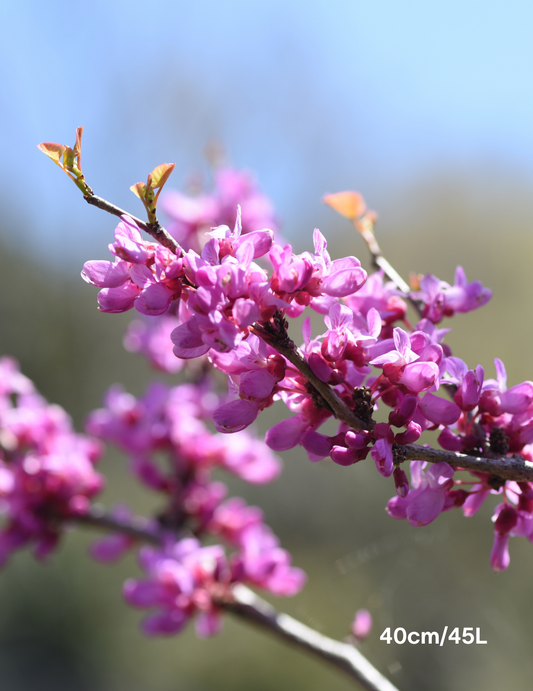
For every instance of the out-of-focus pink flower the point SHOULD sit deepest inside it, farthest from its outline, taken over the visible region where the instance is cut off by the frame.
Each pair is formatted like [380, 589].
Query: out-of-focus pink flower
[362, 624]
[192, 216]
[49, 477]
[263, 563]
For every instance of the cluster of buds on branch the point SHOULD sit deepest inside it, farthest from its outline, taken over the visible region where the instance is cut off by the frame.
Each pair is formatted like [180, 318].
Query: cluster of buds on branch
[217, 290]
[221, 303]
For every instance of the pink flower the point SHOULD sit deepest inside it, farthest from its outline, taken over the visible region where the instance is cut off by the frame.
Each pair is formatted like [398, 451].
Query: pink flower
[232, 518]
[362, 624]
[438, 410]
[152, 338]
[426, 500]
[442, 300]
[375, 295]
[265, 564]
[499, 556]
[50, 476]
[382, 454]
[403, 365]
[179, 583]
[145, 275]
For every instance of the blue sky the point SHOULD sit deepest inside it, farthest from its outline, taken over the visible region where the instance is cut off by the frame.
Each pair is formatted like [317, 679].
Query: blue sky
[313, 97]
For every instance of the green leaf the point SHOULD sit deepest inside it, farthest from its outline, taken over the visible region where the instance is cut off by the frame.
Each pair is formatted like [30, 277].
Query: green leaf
[69, 158]
[161, 174]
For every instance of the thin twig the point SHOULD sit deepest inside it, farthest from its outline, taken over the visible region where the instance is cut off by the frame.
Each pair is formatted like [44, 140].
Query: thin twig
[506, 467]
[136, 527]
[366, 230]
[245, 604]
[343, 656]
[155, 230]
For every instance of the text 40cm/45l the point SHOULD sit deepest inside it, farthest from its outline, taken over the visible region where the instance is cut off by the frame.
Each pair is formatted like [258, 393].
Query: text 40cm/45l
[400, 636]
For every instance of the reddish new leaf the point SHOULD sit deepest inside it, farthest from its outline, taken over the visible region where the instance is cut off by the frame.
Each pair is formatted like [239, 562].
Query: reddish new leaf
[52, 150]
[139, 189]
[351, 205]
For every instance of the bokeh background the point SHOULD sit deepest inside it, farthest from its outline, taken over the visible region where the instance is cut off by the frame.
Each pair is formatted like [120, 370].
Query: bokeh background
[426, 108]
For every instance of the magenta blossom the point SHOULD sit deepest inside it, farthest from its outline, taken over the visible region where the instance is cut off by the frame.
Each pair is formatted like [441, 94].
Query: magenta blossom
[442, 300]
[426, 500]
[362, 624]
[47, 473]
[145, 275]
[405, 366]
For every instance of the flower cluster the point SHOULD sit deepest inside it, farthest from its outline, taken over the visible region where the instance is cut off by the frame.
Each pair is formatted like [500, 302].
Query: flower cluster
[477, 416]
[222, 305]
[442, 300]
[492, 420]
[47, 473]
[191, 217]
[144, 275]
[185, 579]
[173, 452]
[47, 479]
[222, 298]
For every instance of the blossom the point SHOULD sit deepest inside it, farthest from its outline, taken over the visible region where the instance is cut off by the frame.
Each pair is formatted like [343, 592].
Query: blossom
[47, 473]
[442, 300]
[263, 563]
[362, 624]
[152, 338]
[174, 419]
[383, 297]
[469, 383]
[181, 578]
[426, 500]
[145, 275]
[405, 366]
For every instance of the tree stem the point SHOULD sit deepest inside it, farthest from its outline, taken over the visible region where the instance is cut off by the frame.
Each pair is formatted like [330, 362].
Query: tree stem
[156, 230]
